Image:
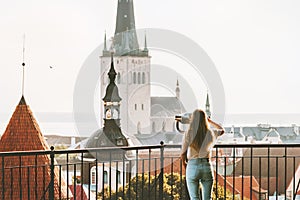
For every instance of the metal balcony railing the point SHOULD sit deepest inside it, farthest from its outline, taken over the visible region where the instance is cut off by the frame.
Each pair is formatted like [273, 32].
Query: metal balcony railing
[242, 171]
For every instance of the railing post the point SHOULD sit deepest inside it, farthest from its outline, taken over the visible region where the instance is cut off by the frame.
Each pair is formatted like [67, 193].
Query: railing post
[161, 176]
[51, 188]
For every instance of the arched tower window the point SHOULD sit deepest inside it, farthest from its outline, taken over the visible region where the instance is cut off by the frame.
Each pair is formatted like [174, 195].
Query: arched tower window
[129, 78]
[143, 78]
[139, 78]
[134, 78]
[139, 127]
[116, 114]
[164, 126]
[119, 78]
[174, 126]
[153, 127]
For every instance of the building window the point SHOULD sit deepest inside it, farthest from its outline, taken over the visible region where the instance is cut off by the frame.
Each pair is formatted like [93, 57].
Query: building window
[139, 78]
[142, 106]
[93, 176]
[129, 78]
[153, 127]
[119, 177]
[118, 61]
[139, 128]
[119, 78]
[164, 126]
[135, 106]
[134, 78]
[108, 114]
[143, 78]
[105, 177]
[115, 114]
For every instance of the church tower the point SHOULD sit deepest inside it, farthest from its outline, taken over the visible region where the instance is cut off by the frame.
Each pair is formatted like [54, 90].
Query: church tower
[133, 67]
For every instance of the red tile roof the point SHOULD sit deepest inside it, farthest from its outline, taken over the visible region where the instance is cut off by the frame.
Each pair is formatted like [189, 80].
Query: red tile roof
[30, 181]
[295, 179]
[242, 184]
[264, 168]
[229, 186]
[80, 189]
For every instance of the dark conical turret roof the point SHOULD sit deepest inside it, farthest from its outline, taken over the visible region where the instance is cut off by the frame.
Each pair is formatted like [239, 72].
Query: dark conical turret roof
[112, 90]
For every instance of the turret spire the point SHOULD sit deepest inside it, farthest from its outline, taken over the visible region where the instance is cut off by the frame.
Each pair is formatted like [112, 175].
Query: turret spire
[112, 91]
[105, 52]
[177, 90]
[145, 45]
[105, 46]
[207, 106]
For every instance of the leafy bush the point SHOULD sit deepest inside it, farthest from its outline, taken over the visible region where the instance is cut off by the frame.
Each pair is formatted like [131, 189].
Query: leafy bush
[173, 188]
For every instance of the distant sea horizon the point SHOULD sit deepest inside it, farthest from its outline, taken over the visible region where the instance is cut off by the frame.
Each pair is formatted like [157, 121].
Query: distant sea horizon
[63, 123]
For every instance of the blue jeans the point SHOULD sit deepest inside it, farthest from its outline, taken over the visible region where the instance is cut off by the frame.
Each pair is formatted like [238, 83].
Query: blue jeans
[199, 171]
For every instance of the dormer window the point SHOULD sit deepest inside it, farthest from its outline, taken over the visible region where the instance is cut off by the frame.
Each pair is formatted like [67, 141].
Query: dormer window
[120, 142]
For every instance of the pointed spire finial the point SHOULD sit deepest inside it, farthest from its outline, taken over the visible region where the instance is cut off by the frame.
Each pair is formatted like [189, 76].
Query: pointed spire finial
[207, 99]
[145, 45]
[207, 106]
[177, 89]
[105, 46]
[23, 65]
[112, 72]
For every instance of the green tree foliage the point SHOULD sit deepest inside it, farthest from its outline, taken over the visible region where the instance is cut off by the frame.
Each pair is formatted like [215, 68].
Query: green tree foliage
[174, 188]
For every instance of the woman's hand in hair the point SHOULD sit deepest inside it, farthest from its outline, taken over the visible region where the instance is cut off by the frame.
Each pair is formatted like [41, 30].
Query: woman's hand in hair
[216, 125]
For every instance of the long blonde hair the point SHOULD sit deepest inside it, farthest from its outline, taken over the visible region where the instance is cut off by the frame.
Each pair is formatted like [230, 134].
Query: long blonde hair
[199, 131]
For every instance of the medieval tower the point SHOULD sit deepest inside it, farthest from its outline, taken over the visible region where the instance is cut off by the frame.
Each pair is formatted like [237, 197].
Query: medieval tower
[133, 66]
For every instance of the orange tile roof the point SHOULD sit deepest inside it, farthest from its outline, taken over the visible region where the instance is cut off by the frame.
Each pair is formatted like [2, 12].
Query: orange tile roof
[229, 187]
[264, 167]
[246, 180]
[30, 181]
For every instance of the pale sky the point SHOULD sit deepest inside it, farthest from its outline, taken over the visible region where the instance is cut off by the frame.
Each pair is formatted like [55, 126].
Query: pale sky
[253, 43]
